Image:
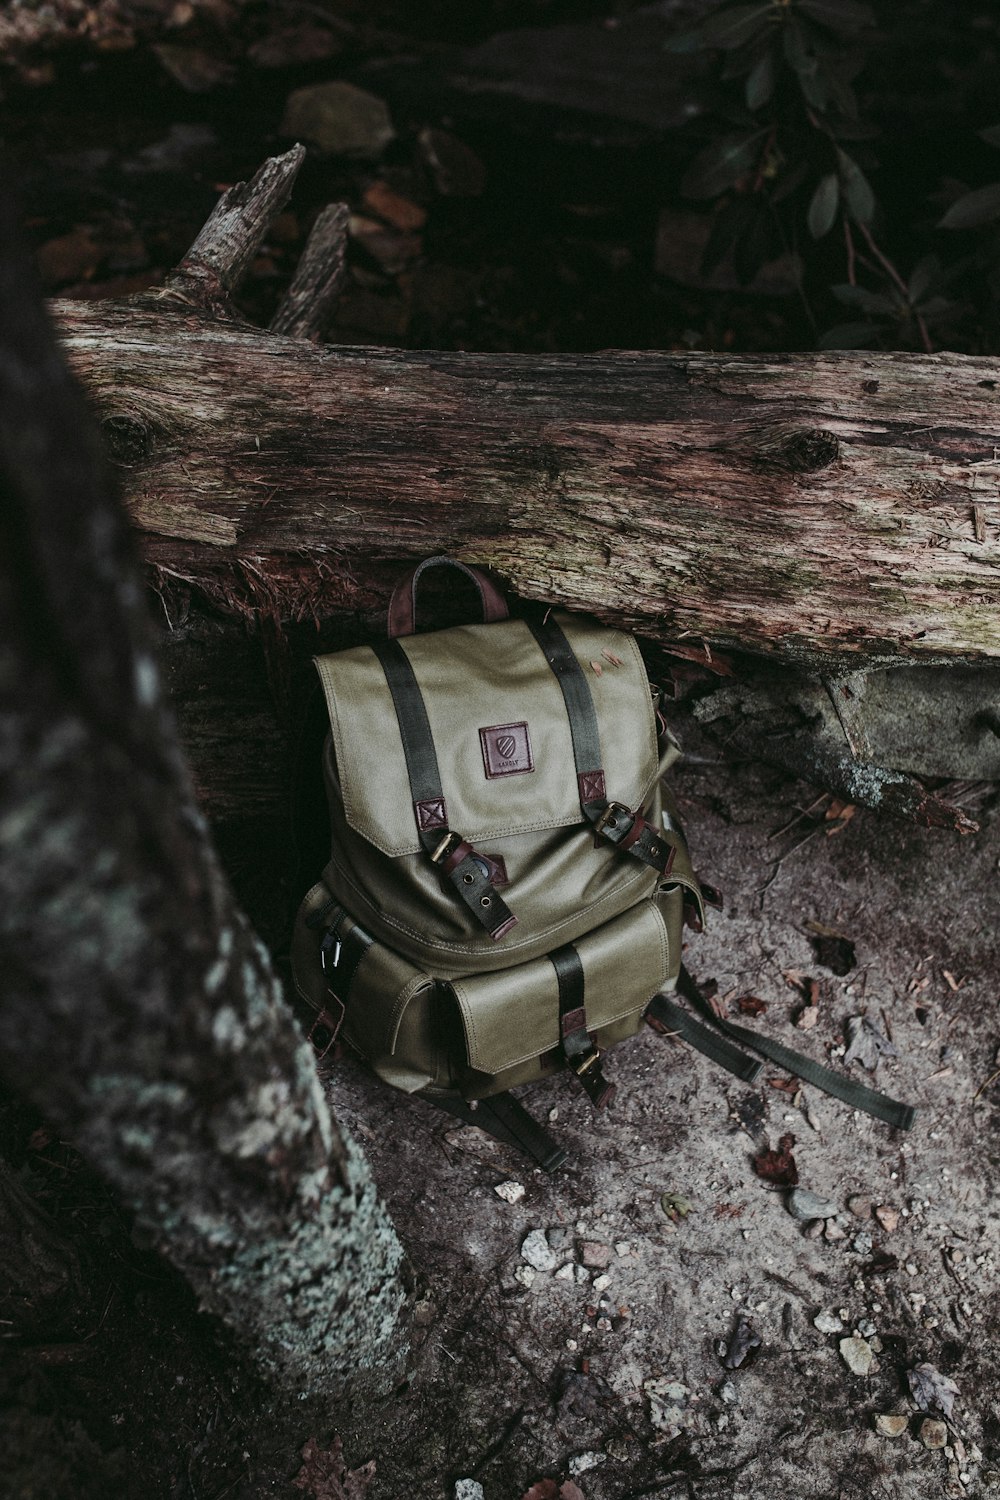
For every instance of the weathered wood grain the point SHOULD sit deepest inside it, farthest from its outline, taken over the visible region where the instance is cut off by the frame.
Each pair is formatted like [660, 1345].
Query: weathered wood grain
[808, 507]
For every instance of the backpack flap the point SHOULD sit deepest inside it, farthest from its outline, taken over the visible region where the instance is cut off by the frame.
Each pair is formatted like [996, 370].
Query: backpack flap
[511, 1018]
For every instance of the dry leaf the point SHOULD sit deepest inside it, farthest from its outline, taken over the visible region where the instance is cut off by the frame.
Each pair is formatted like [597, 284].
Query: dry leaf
[325, 1476]
[751, 1006]
[778, 1166]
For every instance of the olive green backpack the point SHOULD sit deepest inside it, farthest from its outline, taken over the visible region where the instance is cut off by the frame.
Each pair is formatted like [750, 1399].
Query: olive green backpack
[508, 880]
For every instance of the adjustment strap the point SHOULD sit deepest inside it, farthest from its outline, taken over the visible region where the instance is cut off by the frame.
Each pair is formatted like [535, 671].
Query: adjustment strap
[502, 1117]
[430, 810]
[669, 1019]
[340, 958]
[613, 821]
[872, 1101]
[574, 1039]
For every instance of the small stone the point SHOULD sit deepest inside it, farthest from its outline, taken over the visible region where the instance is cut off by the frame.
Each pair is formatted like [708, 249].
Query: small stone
[581, 1463]
[510, 1192]
[890, 1425]
[537, 1251]
[866, 1328]
[581, 1275]
[911, 1268]
[888, 1217]
[863, 1243]
[423, 1313]
[623, 1248]
[604, 1325]
[933, 1434]
[601, 1283]
[565, 1273]
[828, 1322]
[572, 1344]
[803, 1204]
[469, 1489]
[455, 167]
[560, 1238]
[860, 1206]
[594, 1255]
[857, 1355]
[834, 1231]
[525, 1275]
[401, 213]
[814, 1229]
[728, 1393]
[340, 119]
[667, 1400]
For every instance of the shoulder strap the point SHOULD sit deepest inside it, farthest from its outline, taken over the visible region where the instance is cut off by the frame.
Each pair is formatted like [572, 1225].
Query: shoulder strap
[449, 851]
[621, 826]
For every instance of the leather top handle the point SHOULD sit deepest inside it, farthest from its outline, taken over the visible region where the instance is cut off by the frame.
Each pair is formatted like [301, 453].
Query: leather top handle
[403, 604]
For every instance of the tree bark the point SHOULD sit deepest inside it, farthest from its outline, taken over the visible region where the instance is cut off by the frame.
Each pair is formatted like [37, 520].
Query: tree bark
[140, 1012]
[826, 509]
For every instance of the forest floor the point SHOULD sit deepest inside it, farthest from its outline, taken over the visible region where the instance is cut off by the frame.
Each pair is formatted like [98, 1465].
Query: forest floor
[614, 1373]
[615, 1377]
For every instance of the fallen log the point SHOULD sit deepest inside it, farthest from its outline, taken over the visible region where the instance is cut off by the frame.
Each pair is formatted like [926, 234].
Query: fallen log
[836, 512]
[812, 507]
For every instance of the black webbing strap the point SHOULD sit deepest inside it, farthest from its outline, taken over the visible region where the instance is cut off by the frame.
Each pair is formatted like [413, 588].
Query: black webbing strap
[506, 1120]
[574, 1038]
[430, 810]
[670, 1019]
[880, 1105]
[620, 825]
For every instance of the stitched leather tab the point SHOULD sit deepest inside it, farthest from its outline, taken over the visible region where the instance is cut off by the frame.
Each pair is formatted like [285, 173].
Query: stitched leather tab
[591, 784]
[431, 814]
[506, 750]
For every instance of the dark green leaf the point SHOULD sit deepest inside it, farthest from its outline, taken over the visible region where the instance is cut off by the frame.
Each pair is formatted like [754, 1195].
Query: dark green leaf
[760, 84]
[980, 207]
[815, 89]
[844, 16]
[737, 25]
[721, 164]
[823, 207]
[923, 276]
[991, 136]
[728, 226]
[686, 41]
[849, 336]
[861, 297]
[857, 190]
[797, 54]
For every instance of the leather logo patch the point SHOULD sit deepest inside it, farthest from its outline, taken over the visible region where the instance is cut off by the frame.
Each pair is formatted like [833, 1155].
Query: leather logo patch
[506, 750]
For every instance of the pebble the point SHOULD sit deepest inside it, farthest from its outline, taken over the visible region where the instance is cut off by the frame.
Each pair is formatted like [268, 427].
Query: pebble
[728, 1393]
[833, 1231]
[860, 1206]
[863, 1243]
[340, 119]
[803, 1204]
[569, 1272]
[581, 1463]
[814, 1229]
[933, 1434]
[601, 1283]
[594, 1255]
[469, 1489]
[623, 1247]
[525, 1275]
[828, 1322]
[560, 1238]
[537, 1251]
[890, 1425]
[423, 1313]
[866, 1328]
[857, 1355]
[510, 1192]
[887, 1216]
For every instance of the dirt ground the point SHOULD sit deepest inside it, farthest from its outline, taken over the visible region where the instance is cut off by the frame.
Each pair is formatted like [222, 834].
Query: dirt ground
[618, 1382]
[611, 1377]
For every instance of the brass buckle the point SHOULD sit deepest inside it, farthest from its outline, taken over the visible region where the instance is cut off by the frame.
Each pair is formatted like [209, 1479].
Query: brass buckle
[448, 844]
[588, 1062]
[610, 813]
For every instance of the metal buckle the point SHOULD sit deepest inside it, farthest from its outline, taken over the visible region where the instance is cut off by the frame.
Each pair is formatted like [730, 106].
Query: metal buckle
[587, 1062]
[448, 844]
[610, 813]
[324, 953]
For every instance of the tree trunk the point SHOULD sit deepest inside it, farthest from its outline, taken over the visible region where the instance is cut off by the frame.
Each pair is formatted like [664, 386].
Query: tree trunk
[822, 508]
[140, 1012]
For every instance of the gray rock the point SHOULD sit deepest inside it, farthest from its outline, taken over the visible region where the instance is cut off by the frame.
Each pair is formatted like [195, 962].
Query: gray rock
[828, 1322]
[594, 1255]
[537, 1251]
[560, 1238]
[802, 1204]
[468, 1489]
[340, 119]
[857, 1355]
